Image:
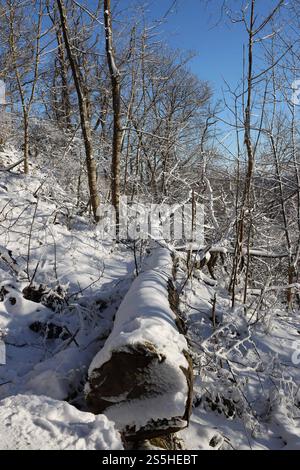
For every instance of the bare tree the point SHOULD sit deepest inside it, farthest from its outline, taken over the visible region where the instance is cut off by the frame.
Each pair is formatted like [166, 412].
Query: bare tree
[84, 112]
[245, 215]
[25, 59]
[116, 98]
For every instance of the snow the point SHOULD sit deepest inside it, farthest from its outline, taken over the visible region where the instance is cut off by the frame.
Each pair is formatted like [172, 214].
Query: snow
[143, 313]
[246, 389]
[30, 422]
[201, 436]
[15, 308]
[44, 241]
[39, 245]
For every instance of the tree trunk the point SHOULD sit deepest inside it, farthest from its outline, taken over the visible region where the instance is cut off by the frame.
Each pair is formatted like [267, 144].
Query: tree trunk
[26, 143]
[84, 121]
[116, 97]
[63, 71]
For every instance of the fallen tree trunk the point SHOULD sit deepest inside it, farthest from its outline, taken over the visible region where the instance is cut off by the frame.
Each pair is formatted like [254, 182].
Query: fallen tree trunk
[259, 253]
[142, 378]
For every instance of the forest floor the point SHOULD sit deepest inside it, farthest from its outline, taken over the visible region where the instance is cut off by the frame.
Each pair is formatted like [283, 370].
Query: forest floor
[247, 372]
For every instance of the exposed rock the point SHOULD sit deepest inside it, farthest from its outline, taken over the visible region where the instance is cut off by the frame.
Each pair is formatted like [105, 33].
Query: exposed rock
[51, 298]
[50, 330]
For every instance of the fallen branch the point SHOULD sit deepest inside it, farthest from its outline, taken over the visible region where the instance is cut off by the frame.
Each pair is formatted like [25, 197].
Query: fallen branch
[8, 259]
[13, 165]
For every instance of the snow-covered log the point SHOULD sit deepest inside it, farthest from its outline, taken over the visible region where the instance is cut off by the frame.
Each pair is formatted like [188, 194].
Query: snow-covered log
[142, 378]
[256, 252]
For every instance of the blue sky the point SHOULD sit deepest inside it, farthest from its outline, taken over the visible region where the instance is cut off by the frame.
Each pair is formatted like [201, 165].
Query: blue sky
[198, 25]
[194, 25]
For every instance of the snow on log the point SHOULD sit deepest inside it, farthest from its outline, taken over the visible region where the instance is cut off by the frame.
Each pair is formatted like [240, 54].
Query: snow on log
[142, 378]
[202, 251]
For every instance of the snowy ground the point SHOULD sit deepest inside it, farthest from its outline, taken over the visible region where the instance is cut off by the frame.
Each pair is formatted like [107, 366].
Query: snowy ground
[246, 377]
[51, 341]
[31, 422]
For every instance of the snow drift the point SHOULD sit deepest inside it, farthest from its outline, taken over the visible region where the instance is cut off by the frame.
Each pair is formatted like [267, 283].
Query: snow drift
[30, 422]
[142, 378]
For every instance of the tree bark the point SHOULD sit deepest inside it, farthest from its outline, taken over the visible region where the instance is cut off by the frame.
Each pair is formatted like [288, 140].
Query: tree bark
[26, 143]
[65, 92]
[84, 120]
[116, 97]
